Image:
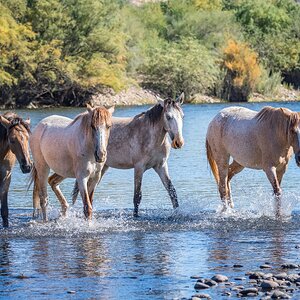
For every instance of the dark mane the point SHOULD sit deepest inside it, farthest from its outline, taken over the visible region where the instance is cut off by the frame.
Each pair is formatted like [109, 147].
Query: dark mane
[14, 120]
[154, 113]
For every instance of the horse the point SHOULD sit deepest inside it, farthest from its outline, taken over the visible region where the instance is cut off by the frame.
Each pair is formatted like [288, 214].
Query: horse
[14, 135]
[141, 143]
[263, 140]
[72, 149]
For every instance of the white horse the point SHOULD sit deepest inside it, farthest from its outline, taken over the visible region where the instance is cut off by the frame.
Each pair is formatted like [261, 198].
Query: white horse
[262, 140]
[72, 149]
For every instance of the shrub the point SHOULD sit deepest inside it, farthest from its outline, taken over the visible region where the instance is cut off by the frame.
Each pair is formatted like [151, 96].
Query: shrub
[242, 71]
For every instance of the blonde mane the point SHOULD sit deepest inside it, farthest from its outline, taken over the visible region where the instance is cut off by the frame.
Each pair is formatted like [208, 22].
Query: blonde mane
[281, 120]
[100, 115]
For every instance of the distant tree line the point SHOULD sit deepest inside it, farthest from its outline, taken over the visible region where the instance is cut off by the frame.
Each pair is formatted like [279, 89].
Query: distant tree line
[63, 51]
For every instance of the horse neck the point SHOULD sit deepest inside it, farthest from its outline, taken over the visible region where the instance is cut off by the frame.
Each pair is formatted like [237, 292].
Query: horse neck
[159, 132]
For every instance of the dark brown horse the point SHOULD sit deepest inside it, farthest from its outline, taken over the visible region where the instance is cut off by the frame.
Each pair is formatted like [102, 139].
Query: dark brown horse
[14, 135]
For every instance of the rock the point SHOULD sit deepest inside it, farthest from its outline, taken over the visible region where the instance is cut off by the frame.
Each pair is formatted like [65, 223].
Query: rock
[290, 266]
[220, 278]
[281, 276]
[265, 266]
[226, 293]
[201, 296]
[269, 285]
[237, 266]
[280, 295]
[268, 276]
[240, 278]
[293, 277]
[210, 282]
[71, 292]
[256, 275]
[248, 291]
[253, 281]
[251, 295]
[201, 286]
[195, 277]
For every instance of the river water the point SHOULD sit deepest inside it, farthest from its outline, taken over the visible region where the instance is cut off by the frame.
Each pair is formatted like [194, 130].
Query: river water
[153, 257]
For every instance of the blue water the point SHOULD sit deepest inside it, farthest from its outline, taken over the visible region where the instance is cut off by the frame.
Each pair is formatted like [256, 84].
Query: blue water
[153, 257]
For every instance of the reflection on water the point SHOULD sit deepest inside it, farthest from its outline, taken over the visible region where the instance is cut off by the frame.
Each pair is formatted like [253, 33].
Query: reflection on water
[117, 256]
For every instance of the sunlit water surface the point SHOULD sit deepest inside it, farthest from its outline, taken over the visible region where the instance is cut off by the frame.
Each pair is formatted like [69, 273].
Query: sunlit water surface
[152, 257]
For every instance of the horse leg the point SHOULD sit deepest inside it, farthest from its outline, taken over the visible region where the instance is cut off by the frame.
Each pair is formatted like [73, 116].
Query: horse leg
[36, 201]
[54, 181]
[87, 207]
[42, 176]
[272, 176]
[223, 167]
[163, 173]
[138, 177]
[233, 169]
[4, 187]
[76, 189]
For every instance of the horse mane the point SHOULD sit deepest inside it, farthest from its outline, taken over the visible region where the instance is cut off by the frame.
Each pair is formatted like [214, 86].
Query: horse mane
[154, 113]
[279, 119]
[100, 115]
[15, 121]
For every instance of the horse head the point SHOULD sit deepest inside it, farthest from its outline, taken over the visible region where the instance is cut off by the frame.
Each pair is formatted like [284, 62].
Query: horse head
[101, 124]
[173, 120]
[18, 136]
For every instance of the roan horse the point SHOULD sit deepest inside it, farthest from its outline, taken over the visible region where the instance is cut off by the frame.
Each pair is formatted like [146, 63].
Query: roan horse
[14, 135]
[72, 149]
[264, 141]
[141, 143]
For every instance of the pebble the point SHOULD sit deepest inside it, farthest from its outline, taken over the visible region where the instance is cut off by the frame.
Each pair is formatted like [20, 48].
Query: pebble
[240, 278]
[220, 278]
[268, 276]
[201, 296]
[201, 286]
[210, 282]
[248, 291]
[256, 275]
[281, 276]
[265, 266]
[289, 266]
[269, 285]
[226, 294]
[280, 295]
[71, 292]
[237, 266]
[195, 277]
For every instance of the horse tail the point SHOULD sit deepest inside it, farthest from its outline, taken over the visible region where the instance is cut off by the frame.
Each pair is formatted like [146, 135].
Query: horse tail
[75, 192]
[212, 162]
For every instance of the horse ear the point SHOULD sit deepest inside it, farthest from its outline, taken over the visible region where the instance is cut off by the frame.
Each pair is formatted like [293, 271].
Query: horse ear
[89, 108]
[4, 122]
[180, 99]
[27, 121]
[160, 101]
[111, 109]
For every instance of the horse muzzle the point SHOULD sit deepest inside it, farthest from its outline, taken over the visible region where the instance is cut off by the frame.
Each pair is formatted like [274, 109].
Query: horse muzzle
[26, 168]
[177, 143]
[100, 158]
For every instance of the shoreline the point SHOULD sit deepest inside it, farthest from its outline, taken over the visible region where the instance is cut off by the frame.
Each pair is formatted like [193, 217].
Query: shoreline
[134, 96]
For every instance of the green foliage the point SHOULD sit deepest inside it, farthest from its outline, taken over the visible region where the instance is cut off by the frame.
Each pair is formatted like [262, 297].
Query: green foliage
[67, 50]
[184, 66]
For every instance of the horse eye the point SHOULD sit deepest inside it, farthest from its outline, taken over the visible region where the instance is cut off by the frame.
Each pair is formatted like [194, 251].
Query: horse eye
[108, 126]
[169, 117]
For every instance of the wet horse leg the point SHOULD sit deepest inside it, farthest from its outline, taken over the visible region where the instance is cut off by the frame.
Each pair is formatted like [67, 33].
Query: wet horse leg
[54, 181]
[4, 187]
[163, 173]
[42, 176]
[223, 166]
[138, 177]
[233, 169]
[87, 207]
[36, 201]
[272, 176]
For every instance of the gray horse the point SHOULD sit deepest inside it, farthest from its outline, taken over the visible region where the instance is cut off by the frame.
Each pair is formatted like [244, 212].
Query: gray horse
[141, 143]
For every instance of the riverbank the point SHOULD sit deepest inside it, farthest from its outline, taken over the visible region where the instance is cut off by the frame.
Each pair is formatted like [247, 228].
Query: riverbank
[138, 96]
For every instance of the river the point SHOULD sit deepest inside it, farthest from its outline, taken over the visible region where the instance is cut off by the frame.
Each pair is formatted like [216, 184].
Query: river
[153, 257]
